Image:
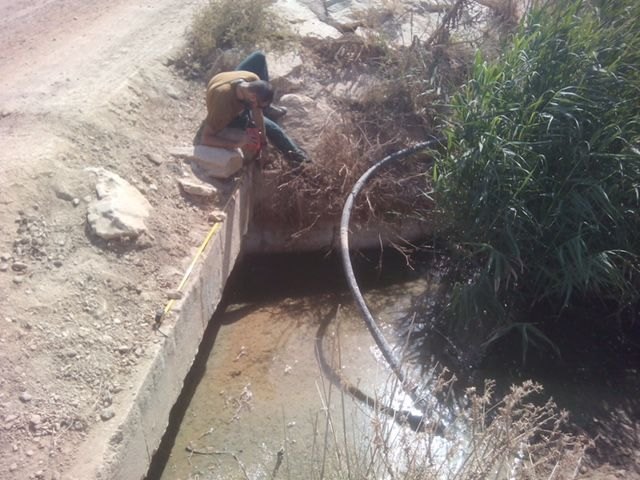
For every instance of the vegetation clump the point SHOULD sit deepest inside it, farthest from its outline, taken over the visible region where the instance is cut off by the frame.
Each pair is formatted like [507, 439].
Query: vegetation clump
[512, 437]
[302, 198]
[540, 186]
[221, 25]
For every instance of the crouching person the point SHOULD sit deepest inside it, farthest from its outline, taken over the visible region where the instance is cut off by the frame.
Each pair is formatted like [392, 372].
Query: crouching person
[240, 115]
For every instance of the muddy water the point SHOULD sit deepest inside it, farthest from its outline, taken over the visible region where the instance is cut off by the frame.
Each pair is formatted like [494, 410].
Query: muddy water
[263, 389]
[260, 388]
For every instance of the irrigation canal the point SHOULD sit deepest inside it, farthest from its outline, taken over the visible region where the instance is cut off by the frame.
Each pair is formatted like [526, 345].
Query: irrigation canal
[257, 386]
[257, 389]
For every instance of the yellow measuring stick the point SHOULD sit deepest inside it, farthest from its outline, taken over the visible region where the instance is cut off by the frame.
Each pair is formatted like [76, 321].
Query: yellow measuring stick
[167, 308]
[216, 226]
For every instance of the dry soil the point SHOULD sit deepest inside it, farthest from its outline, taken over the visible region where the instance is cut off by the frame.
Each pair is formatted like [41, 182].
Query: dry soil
[84, 84]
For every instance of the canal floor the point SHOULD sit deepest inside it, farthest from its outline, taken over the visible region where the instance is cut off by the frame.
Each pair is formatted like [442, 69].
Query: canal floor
[263, 390]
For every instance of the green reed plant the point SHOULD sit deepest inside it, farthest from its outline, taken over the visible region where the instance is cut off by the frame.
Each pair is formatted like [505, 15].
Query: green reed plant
[540, 186]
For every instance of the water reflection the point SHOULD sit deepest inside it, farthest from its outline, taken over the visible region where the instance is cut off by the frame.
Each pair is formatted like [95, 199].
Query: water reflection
[263, 390]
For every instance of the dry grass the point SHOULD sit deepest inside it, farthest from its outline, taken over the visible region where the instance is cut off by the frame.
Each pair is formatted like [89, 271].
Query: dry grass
[398, 110]
[303, 196]
[347, 51]
[518, 437]
[223, 25]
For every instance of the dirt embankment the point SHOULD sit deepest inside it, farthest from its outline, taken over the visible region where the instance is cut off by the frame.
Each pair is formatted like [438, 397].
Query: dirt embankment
[84, 84]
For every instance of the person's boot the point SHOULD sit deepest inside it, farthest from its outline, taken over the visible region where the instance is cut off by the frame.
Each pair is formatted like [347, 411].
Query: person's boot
[274, 113]
[297, 157]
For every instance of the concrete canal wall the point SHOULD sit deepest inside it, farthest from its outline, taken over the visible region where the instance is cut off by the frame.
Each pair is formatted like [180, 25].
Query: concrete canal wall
[126, 451]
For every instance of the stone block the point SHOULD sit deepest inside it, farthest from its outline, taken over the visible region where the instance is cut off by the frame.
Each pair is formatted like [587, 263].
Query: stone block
[218, 162]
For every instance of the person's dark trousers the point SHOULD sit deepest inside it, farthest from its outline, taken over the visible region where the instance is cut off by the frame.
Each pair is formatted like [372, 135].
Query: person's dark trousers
[257, 63]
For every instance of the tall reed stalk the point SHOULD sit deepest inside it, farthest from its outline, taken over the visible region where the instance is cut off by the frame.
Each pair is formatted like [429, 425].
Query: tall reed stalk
[540, 186]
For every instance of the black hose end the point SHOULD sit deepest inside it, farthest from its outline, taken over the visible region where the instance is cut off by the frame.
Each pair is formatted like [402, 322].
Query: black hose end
[158, 317]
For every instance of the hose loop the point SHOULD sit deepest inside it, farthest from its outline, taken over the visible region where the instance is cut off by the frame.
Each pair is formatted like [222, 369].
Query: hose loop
[370, 321]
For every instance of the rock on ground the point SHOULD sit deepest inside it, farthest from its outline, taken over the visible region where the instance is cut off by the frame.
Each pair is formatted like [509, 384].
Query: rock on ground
[120, 209]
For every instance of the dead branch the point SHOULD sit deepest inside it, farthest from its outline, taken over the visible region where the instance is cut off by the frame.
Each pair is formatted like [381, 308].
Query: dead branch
[448, 18]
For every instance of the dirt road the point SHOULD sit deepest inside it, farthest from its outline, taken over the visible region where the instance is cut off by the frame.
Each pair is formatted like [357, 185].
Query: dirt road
[84, 84]
[70, 55]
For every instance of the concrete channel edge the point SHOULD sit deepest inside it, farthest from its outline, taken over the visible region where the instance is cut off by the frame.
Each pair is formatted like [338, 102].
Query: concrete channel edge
[125, 450]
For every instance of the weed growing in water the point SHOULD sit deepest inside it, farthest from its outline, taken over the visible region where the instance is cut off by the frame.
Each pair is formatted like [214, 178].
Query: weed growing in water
[511, 438]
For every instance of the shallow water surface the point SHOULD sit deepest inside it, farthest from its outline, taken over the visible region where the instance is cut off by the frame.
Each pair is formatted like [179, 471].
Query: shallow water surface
[264, 391]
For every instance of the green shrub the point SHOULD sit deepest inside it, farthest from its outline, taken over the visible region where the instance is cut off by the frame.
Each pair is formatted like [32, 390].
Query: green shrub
[540, 186]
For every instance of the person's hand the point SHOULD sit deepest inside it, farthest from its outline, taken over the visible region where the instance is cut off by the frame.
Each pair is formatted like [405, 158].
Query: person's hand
[253, 137]
[262, 155]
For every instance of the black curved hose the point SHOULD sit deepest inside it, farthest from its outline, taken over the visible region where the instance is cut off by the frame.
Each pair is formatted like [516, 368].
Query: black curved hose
[348, 268]
[415, 422]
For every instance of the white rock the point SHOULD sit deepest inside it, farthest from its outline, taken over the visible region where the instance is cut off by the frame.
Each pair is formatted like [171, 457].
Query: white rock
[285, 71]
[306, 119]
[154, 158]
[25, 397]
[185, 152]
[305, 21]
[356, 88]
[107, 414]
[63, 192]
[195, 187]
[217, 216]
[175, 295]
[35, 420]
[120, 209]
[218, 162]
